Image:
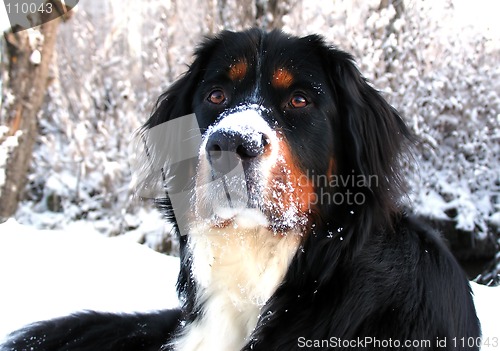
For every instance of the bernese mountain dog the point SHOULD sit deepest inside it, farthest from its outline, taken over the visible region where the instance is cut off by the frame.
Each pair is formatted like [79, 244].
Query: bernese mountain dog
[282, 169]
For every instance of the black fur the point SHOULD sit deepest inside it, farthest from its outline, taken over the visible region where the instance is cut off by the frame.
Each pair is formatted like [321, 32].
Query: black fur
[95, 331]
[403, 285]
[364, 270]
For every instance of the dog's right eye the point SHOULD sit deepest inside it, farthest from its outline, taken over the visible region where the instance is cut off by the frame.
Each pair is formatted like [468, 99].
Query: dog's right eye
[216, 97]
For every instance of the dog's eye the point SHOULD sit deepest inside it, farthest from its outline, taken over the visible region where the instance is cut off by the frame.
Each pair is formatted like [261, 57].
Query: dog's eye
[216, 97]
[298, 101]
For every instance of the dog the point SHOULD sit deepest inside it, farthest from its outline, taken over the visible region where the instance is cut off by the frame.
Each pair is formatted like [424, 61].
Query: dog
[289, 206]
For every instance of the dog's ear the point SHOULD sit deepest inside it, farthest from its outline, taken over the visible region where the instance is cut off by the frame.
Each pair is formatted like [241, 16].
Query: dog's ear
[371, 141]
[373, 136]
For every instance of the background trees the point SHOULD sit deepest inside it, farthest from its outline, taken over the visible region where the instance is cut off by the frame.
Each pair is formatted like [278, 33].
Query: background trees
[28, 56]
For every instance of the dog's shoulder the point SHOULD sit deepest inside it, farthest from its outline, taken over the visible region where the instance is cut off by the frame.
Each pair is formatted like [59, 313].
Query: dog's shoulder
[421, 282]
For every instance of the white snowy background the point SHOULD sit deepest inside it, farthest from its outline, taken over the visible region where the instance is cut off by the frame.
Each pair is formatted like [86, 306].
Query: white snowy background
[51, 273]
[75, 247]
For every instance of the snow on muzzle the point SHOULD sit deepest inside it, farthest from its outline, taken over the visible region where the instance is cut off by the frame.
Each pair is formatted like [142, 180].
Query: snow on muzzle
[234, 157]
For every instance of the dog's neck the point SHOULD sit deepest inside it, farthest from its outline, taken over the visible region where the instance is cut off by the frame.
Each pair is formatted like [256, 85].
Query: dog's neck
[236, 271]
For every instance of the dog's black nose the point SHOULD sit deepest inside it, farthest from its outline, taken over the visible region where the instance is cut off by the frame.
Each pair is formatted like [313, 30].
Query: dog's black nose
[225, 148]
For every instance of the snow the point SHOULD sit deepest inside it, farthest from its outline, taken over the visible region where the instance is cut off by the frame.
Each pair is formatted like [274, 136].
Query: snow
[36, 57]
[488, 309]
[4, 19]
[246, 120]
[50, 273]
[6, 147]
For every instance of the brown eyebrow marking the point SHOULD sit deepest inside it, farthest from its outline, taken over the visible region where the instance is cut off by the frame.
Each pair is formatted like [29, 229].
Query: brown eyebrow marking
[282, 78]
[238, 70]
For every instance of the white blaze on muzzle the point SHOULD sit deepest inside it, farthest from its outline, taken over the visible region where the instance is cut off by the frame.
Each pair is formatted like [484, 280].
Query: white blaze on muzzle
[235, 157]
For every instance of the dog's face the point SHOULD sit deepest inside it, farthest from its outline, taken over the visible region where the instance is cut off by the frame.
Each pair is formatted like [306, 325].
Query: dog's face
[290, 132]
[260, 106]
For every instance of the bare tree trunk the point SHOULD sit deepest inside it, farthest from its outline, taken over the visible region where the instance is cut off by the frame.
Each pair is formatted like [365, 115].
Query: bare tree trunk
[28, 81]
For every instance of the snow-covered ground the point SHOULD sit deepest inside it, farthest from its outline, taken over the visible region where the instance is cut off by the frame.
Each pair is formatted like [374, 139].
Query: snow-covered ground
[45, 274]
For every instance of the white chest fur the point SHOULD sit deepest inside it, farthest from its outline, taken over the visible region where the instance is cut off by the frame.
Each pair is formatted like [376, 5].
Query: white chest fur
[236, 270]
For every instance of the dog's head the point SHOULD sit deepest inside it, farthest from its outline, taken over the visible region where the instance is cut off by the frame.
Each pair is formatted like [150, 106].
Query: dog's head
[283, 130]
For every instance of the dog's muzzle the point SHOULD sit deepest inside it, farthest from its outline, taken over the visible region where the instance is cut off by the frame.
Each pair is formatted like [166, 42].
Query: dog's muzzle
[235, 158]
[227, 148]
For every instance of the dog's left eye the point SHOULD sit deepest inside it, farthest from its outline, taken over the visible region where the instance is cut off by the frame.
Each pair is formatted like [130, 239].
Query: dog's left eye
[216, 97]
[298, 101]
